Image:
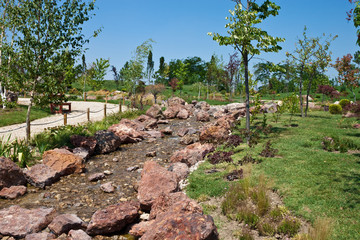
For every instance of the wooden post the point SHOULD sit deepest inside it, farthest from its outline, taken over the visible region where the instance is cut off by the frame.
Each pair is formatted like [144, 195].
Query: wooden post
[123, 101]
[104, 110]
[88, 114]
[120, 106]
[106, 98]
[65, 119]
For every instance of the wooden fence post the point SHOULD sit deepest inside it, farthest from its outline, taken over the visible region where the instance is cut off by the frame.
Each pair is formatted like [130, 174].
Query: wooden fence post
[120, 106]
[65, 119]
[88, 114]
[106, 98]
[104, 110]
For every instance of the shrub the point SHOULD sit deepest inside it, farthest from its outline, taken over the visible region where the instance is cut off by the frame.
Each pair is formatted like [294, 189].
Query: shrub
[268, 151]
[335, 109]
[219, 157]
[344, 102]
[289, 226]
[234, 140]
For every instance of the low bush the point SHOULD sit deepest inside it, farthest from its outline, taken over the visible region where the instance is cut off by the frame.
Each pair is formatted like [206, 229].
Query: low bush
[335, 109]
[219, 157]
[344, 102]
[289, 226]
[268, 151]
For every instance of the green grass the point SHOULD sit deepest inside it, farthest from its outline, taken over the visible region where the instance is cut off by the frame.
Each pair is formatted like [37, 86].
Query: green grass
[18, 114]
[316, 183]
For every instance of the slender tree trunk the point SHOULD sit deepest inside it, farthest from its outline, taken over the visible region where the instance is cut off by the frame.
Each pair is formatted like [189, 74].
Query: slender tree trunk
[307, 96]
[300, 91]
[247, 100]
[27, 139]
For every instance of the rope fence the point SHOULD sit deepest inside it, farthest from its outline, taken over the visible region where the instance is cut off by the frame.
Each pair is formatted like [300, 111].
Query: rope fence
[66, 117]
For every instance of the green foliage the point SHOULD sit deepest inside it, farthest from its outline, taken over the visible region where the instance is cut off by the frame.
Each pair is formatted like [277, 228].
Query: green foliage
[344, 102]
[97, 73]
[289, 226]
[335, 109]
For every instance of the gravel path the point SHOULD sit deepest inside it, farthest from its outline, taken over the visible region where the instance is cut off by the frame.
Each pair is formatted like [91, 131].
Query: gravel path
[77, 115]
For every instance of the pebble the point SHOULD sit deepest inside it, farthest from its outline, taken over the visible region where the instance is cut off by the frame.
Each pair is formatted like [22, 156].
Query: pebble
[115, 159]
[107, 172]
[131, 169]
[145, 216]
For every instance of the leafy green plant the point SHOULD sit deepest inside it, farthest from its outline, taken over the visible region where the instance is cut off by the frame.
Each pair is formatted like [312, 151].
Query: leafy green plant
[335, 109]
[5, 147]
[344, 102]
[268, 151]
[289, 226]
[292, 105]
[20, 153]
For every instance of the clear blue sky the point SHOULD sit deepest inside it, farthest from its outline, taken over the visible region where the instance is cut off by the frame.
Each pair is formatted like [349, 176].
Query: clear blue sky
[180, 28]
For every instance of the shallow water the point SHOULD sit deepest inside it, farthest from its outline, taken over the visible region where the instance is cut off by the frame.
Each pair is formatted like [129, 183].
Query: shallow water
[76, 194]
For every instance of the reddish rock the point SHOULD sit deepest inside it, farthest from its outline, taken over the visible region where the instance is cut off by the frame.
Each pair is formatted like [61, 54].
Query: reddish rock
[356, 125]
[113, 218]
[202, 116]
[154, 111]
[202, 106]
[40, 236]
[155, 180]
[180, 169]
[189, 226]
[13, 192]
[183, 114]
[174, 202]
[66, 222]
[125, 132]
[175, 101]
[139, 229]
[10, 174]
[106, 142]
[189, 139]
[147, 122]
[166, 131]
[182, 132]
[154, 134]
[163, 121]
[89, 143]
[78, 235]
[226, 122]
[63, 161]
[96, 176]
[192, 153]
[214, 134]
[18, 222]
[172, 111]
[107, 187]
[41, 175]
[132, 124]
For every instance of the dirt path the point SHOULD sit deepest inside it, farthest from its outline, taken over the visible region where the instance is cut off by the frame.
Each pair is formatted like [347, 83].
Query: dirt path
[78, 115]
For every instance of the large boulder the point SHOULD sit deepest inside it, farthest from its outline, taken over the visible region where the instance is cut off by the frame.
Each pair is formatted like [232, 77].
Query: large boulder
[10, 174]
[18, 222]
[13, 192]
[89, 143]
[192, 153]
[202, 116]
[217, 131]
[140, 228]
[235, 106]
[40, 236]
[66, 222]
[180, 169]
[155, 180]
[174, 202]
[41, 175]
[183, 114]
[190, 226]
[147, 122]
[63, 161]
[154, 111]
[106, 142]
[132, 124]
[202, 106]
[126, 134]
[172, 111]
[175, 101]
[113, 218]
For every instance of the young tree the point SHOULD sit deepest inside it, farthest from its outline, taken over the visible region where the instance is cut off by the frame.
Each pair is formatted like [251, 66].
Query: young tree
[301, 58]
[155, 89]
[98, 72]
[161, 75]
[49, 38]
[150, 67]
[232, 68]
[348, 73]
[247, 38]
[116, 75]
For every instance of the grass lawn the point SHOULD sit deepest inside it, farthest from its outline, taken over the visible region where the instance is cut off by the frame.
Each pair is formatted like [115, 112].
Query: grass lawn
[312, 182]
[18, 114]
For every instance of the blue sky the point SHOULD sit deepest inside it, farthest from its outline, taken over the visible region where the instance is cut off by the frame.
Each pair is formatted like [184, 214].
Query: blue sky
[180, 28]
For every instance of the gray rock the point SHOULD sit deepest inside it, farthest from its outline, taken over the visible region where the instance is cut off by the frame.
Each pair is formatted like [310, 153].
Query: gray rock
[81, 152]
[106, 141]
